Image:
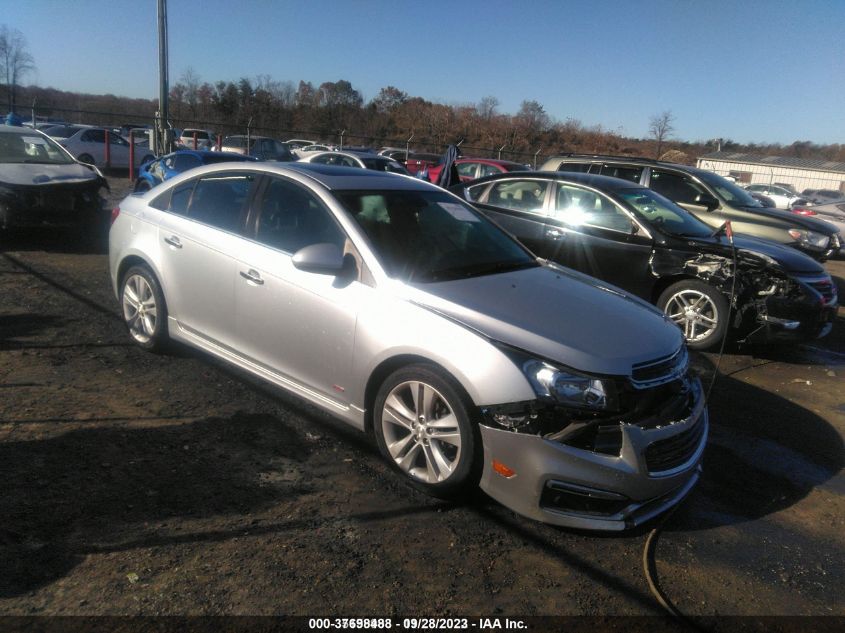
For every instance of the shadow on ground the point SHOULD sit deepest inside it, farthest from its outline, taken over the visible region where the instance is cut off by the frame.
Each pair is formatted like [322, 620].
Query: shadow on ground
[86, 490]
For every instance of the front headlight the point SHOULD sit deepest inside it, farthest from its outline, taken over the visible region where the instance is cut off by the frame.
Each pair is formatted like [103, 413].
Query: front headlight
[568, 388]
[809, 238]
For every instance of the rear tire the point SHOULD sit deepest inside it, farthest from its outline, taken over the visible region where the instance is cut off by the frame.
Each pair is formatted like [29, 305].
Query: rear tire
[699, 309]
[422, 424]
[144, 309]
[86, 158]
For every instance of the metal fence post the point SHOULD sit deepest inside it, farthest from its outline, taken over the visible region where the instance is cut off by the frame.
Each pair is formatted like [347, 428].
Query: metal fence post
[108, 151]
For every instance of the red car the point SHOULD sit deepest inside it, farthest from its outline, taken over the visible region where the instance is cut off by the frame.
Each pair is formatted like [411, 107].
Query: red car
[472, 168]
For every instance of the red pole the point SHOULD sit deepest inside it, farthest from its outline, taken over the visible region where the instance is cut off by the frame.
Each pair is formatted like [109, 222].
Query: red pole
[195, 140]
[108, 151]
[131, 154]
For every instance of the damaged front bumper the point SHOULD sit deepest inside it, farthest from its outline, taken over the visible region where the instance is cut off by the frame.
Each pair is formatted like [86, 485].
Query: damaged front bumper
[561, 484]
[52, 204]
[805, 311]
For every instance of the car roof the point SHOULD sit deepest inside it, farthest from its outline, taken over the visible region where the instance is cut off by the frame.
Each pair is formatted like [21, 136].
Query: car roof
[591, 180]
[633, 160]
[333, 177]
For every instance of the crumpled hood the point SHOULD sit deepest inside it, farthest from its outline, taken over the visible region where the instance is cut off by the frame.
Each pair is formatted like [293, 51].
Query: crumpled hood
[30, 174]
[557, 314]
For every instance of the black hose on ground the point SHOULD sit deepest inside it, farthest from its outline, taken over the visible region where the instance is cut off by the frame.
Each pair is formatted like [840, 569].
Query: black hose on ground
[649, 560]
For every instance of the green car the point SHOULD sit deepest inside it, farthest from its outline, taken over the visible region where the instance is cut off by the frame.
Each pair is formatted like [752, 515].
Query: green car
[712, 198]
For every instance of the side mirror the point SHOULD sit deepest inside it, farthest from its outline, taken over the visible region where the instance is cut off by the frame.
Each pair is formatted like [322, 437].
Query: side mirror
[322, 258]
[706, 200]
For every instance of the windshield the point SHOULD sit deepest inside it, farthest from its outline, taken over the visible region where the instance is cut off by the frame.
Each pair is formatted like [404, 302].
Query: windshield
[427, 236]
[664, 214]
[31, 147]
[728, 191]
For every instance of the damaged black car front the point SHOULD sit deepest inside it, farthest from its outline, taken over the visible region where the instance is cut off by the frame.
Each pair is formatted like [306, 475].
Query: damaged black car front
[42, 185]
[776, 293]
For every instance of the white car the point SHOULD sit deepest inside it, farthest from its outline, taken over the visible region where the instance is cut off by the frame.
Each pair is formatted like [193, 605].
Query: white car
[781, 196]
[205, 139]
[302, 152]
[88, 145]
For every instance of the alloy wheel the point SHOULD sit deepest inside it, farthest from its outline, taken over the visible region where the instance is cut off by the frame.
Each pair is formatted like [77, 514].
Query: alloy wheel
[694, 312]
[139, 308]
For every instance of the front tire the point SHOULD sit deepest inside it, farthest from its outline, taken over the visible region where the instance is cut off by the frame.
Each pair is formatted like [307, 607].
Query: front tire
[699, 309]
[144, 309]
[422, 424]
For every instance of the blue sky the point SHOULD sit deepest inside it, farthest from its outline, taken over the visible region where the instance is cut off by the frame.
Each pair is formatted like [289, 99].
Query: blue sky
[752, 71]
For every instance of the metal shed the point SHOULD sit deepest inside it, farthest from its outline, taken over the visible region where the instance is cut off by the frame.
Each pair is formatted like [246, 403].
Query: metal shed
[801, 173]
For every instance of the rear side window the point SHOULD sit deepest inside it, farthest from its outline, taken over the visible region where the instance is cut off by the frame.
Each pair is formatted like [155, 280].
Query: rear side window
[175, 200]
[218, 200]
[625, 172]
[184, 162]
[577, 167]
[520, 195]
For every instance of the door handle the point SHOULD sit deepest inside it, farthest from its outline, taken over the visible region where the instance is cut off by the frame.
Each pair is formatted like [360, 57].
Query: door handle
[555, 234]
[253, 276]
[173, 241]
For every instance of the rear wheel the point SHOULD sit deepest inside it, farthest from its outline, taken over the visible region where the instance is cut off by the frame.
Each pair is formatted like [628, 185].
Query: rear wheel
[699, 309]
[86, 158]
[423, 428]
[142, 185]
[144, 310]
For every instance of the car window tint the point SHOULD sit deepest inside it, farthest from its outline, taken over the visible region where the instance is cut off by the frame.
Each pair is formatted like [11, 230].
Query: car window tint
[520, 195]
[625, 172]
[180, 196]
[474, 192]
[487, 170]
[218, 199]
[466, 169]
[94, 136]
[115, 139]
[676, 187]
[184, 162]
[580, 207]
[578, 167]
[292, 218]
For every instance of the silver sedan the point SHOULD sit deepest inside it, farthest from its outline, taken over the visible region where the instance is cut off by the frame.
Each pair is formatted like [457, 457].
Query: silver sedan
[400, 309]
[356, 159]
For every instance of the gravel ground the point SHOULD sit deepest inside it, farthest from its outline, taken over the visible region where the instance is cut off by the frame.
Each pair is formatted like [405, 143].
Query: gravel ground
[173, 485]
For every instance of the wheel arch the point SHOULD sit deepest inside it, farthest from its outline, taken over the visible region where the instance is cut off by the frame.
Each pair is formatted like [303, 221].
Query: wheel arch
[392, 364]
[665, 282]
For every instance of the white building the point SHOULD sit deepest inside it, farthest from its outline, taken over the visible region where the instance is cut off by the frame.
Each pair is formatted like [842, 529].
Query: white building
[801, 173]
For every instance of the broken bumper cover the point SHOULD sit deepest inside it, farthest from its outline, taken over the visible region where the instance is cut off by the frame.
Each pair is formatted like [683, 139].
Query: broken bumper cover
[807, 314]
[61, 205]
[567, 486]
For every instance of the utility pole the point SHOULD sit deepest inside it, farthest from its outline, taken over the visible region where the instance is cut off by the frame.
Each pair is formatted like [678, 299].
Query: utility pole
[162, 116]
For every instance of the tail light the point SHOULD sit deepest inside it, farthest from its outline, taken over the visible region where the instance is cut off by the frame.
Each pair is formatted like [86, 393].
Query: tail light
[114, 213]
[803, 211]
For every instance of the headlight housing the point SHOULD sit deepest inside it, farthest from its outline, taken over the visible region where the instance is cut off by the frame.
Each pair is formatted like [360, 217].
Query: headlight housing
[810, 238]
[568, 388]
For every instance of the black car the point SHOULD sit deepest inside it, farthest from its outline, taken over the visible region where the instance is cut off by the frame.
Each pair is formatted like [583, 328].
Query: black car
[42, 185]
[712, 198]
[634, 238]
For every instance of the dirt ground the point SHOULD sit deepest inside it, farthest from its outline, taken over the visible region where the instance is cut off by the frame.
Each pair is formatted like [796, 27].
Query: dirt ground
[170, 484]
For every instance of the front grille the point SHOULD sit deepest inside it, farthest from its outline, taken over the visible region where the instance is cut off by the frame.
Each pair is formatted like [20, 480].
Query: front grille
[674, 451]
[660, 370]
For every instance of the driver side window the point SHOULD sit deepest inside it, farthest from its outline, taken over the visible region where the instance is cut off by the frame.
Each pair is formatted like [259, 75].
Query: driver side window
[292, 218]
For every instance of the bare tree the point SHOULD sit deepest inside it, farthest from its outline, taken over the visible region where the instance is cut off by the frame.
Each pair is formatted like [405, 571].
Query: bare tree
[15, 60]
[660, 127]
[191, 80]
[487, 107]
